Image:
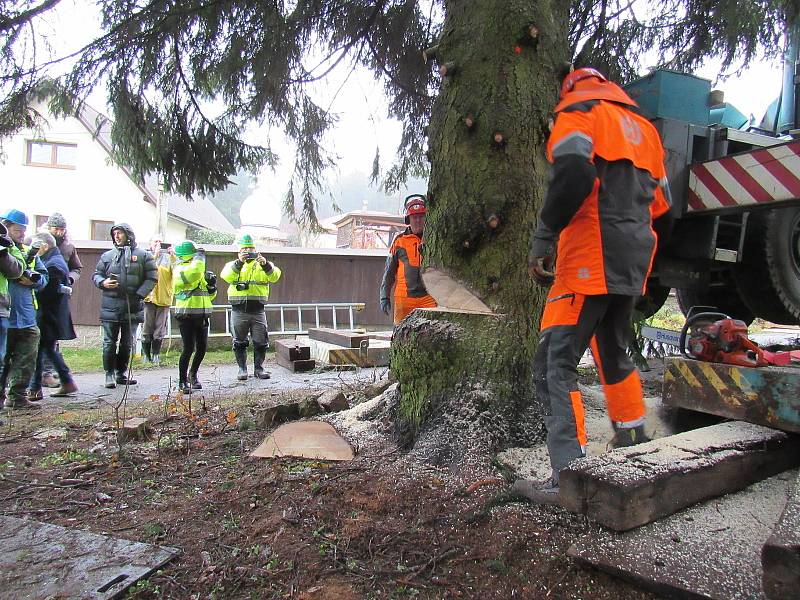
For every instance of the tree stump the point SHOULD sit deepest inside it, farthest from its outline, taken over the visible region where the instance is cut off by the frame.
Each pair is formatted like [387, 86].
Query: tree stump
[465, 387]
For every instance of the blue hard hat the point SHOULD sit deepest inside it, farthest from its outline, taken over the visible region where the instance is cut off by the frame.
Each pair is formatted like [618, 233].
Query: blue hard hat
[15, 216]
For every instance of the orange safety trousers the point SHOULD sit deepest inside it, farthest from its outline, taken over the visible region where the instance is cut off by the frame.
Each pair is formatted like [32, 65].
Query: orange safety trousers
[403, 305]
[572, 322]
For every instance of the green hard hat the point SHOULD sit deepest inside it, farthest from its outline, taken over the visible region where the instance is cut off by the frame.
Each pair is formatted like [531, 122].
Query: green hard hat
[185, 248]
[245, 241]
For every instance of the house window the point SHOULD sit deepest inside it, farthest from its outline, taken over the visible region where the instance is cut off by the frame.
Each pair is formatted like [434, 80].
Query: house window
[41, 220]
[101, 230]
[50, 154]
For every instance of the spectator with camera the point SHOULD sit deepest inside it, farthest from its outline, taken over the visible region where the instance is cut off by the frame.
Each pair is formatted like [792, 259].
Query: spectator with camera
[249, 277]
[53, 318]
[22, 339]
[125, 274]
[195, 289]
[157, 303]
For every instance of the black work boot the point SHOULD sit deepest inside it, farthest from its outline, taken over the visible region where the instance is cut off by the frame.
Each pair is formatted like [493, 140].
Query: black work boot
[183, 384]
[241, 360]
[147, 346]
[156, 350]
[624, 437]
[538, 492]
[258, 363]
[195, 382]
[110, 380]
[123, 379]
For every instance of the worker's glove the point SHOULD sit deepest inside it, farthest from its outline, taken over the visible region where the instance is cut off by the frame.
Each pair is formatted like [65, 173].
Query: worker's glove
[386, 306]
[541, 269]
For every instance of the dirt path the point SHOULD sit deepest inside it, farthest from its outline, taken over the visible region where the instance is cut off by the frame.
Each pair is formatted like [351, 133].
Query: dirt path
[380, 526]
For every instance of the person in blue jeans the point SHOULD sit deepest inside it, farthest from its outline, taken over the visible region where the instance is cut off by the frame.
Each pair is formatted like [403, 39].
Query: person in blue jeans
[53, 318]
[22, 341]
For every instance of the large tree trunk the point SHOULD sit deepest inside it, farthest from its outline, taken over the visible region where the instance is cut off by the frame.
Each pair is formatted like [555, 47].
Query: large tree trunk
[465, 378]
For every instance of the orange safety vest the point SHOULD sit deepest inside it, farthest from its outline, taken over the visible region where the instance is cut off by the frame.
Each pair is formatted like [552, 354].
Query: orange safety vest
[609, 244]
[403, 271]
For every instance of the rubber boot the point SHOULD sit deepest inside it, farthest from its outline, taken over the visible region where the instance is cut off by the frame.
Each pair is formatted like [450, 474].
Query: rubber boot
[258, 361]
[147, 345]
[109, 357]
[156, 351]
[241, 360]
[624, 437]
[110, 380]
[123, 357]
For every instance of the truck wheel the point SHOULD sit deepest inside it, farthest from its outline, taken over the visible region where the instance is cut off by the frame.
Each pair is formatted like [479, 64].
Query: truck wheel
[726, 299]
[768, 279]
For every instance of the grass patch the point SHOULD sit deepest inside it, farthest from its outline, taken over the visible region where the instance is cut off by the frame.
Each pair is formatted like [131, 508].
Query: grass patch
[88, 360]
[69, 455]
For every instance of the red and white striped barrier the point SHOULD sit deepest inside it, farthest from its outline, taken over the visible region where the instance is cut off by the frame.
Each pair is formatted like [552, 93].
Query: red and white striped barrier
[756, 177]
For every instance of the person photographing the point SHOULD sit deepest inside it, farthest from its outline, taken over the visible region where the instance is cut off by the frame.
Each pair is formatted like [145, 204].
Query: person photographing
[125, 275]
[194, 289]
[248, 278]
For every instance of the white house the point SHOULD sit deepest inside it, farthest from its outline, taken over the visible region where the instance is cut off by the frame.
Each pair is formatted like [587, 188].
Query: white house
[66, 167]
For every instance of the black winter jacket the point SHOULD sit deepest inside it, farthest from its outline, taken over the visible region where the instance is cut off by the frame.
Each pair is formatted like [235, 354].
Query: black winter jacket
[53, 317]
[137, 276]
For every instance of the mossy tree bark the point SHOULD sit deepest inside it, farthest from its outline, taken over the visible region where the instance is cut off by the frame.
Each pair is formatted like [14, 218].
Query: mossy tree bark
[464, 373]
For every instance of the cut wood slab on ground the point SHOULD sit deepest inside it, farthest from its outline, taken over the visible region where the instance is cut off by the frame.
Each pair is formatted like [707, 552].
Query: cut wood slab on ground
[340, 337]
[305, 439]
[765, 395]
[298, 365]
[377, 355]
[629, 487]
[292, 350]
[780, 556]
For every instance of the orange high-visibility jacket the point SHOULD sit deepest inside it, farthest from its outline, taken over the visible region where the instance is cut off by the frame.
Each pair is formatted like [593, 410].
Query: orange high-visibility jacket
[604, 229]
[403, 268]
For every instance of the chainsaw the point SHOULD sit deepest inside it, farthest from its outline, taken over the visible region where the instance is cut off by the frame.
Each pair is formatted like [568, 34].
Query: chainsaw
[716, 337]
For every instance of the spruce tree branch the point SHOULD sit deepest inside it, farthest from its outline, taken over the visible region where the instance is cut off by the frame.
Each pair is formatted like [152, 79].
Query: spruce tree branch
[7, 23]
[391, 77]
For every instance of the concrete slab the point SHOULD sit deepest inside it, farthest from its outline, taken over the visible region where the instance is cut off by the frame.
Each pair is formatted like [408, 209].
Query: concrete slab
[711, 550]
[305, 439]
[39, 560]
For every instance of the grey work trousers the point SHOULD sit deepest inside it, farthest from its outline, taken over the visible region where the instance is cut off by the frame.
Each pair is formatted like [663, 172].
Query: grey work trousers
[155, 321]
[253, 324]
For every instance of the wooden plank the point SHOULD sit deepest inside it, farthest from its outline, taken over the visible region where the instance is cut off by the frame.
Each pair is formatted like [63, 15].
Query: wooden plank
[364, 357]
[292, 350]
[767, 396]
[780, 556]
[632, 486]
[709, 551]
[296, 366]
[344, 338]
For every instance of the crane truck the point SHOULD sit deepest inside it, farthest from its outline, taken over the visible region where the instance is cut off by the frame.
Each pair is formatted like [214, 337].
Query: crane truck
[736, 199]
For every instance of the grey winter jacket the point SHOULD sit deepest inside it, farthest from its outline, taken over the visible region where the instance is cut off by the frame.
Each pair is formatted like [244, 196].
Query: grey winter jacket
[137, 276]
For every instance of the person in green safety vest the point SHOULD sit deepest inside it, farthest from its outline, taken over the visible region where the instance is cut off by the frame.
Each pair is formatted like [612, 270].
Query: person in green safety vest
[193, 296]
[249, 277]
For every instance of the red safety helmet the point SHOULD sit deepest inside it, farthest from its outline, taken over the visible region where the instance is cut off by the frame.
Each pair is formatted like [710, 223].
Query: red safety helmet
[579, 75]
[414, 205]
[590, 84]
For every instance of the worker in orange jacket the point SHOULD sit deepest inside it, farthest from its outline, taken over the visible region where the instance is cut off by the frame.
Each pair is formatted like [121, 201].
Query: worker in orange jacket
[403, 265]
[607, 198]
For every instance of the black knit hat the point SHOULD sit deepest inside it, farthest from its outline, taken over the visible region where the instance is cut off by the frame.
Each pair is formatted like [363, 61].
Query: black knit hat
[57, 220]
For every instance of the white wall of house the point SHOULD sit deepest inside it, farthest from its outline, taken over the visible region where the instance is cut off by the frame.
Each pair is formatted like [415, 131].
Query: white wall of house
[90, 189]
